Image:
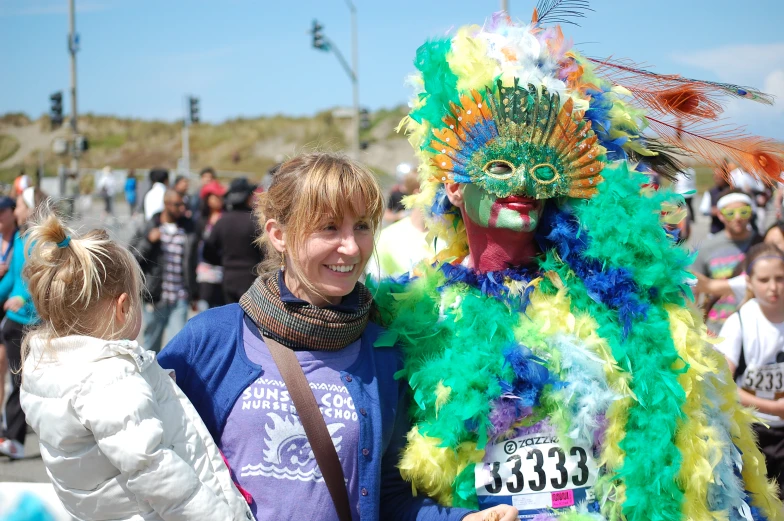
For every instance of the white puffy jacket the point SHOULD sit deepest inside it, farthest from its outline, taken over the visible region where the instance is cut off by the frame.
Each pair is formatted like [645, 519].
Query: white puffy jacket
[120, 441]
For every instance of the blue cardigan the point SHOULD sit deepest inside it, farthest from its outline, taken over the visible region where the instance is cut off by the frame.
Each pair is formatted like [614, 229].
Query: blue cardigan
[208, 357]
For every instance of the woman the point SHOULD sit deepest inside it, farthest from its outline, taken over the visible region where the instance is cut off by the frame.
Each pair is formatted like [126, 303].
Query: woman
[319, 218]
[209, 276]
[19, 314]
[231, 242]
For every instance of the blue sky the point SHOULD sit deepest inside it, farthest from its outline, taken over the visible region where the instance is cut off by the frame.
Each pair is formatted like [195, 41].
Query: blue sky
[253, 57]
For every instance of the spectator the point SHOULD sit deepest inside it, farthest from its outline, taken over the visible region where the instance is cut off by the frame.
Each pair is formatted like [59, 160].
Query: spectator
[755, 188]
[721, 253]
[686, 185]
[19, 315]
[131, 191]
[106, 187]
[153, 199]
[395, 208]
[711, 197]
[21, 182]
[8, 234]
[206, 176]
[232, 241]
[166, 248]
[401, 245]
[181, 186]
[209, 276]
[86, 189]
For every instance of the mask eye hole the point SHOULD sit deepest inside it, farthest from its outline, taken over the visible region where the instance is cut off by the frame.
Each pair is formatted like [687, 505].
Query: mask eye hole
[499, 169]
[545, 173]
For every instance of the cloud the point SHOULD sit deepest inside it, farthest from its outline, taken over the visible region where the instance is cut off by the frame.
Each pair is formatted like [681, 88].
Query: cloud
[736, 63]
[49, 8]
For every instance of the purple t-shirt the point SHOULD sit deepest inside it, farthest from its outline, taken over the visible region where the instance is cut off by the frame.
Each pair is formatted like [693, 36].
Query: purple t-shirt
[266, 444]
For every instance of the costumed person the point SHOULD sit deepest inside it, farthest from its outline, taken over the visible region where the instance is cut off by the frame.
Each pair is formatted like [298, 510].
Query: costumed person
[308, 315]
[117, 436]
[556, 360]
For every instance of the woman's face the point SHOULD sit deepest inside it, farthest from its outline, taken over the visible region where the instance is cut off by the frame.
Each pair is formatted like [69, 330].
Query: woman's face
[332, 259]
[767, 282]
[22, 212]
[214, 202]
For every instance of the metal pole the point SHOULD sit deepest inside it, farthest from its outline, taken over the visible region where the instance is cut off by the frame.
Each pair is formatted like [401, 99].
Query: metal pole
[186, 145]
[505, 6]
[355, 78]
[74, 112]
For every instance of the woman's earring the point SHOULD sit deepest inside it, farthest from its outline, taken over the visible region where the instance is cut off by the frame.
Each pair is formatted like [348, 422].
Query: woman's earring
[282, 262]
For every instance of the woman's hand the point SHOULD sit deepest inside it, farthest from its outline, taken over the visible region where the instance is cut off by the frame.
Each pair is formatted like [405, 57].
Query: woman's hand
[14, 304]
[497, 513]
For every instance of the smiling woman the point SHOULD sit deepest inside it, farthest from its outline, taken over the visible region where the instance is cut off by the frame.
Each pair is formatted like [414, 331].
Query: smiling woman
[307, 317]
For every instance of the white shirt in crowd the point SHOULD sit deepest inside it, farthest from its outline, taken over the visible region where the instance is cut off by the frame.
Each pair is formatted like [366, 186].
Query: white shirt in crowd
[153, 201]
[686, 183]
[761, 341]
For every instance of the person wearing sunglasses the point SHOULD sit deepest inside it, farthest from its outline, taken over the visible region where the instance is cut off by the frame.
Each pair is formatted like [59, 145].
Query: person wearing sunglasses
[166, 248]
[722, 252]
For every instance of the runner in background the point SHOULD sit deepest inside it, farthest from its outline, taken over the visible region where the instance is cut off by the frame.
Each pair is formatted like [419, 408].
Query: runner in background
[753, 343]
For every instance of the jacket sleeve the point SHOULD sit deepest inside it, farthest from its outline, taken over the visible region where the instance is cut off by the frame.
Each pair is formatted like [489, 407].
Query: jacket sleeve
[397, 501]
[7, 282]
[193, 261]
[212, 245]
[121, 414]
[141, 247]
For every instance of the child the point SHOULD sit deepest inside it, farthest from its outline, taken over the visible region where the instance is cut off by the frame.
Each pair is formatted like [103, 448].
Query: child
[753, 343]
[118, 437]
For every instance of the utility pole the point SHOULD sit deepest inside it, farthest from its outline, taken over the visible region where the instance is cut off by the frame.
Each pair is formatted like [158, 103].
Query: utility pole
[322, 43]
[355, 82]
[185, 167]
[505, 6]
[73, 47]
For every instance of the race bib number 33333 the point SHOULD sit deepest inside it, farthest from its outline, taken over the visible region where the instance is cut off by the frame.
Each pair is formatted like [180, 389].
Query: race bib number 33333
[535, 472]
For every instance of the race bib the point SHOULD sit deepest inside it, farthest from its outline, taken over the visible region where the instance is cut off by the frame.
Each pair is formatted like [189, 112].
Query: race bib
[764, 379]
[534, 473]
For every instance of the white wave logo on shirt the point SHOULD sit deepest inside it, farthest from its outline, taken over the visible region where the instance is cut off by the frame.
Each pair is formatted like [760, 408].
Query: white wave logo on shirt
[288, 454]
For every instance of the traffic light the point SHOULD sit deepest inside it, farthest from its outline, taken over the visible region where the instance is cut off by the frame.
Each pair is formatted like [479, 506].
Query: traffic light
[193, 103]
[56, 109]
[318, 37]
[364, 119]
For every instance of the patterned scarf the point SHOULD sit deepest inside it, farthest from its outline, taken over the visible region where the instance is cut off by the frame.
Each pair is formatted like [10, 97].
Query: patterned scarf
[304, 326]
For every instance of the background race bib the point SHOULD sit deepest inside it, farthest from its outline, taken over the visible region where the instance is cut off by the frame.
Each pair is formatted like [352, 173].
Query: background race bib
[766, 378]
[533, 473]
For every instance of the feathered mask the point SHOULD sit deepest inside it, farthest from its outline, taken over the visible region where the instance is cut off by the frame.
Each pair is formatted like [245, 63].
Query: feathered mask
[517, 110]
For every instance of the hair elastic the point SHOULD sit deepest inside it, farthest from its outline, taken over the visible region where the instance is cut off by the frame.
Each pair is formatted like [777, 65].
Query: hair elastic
[65, 242]
[761, 257]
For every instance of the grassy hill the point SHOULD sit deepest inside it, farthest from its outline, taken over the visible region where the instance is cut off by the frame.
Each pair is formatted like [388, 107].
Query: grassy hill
[249, 145]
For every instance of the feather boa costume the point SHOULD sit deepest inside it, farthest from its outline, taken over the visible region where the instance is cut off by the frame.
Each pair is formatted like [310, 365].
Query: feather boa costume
[582, 387]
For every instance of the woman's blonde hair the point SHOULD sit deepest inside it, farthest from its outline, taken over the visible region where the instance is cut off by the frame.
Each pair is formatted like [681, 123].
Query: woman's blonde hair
[307, 192]
[73, 281]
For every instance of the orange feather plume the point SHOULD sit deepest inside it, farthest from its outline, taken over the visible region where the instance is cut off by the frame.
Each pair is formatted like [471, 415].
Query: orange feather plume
[759, 156]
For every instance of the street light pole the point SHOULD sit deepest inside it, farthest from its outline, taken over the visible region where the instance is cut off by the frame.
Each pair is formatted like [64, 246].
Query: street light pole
[355, 78]
[505, 6]
[72, 48]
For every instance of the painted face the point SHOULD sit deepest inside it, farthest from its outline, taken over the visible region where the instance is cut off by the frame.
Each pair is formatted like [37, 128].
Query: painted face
[515, 212]
[767, 282]
[332, 259]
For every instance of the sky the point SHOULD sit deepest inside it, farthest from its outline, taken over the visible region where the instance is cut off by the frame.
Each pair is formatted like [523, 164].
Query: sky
[247, 58]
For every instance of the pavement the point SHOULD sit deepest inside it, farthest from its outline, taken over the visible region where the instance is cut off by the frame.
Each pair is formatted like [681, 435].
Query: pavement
[121, 227]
